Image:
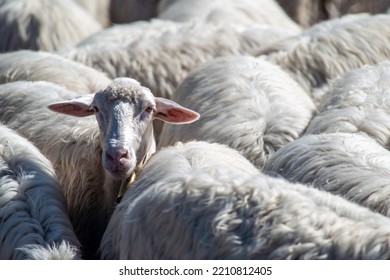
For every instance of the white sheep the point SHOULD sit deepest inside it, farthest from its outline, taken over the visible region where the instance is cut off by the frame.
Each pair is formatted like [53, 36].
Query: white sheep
[246, 103]
[89, 162]
[357, 102]
[353, 166]
[131, 32]
[226, 11]
[179, 160]
[162, 62]
[202, 206]
[331, 48]
[34, 222]
[43, 24]
[43, 66]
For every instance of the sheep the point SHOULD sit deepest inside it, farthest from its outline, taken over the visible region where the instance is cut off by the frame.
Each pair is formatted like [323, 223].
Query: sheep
[162, 62]
[178, 160]
[124, 11]
[225, 11]
[34, 222]
[99, 9]
[201, 206]
[129, 33]
[46, 25]
[353, 166]
[90, 162]
[43, 66]
[243, 105]
[331, 48]
[357, 102]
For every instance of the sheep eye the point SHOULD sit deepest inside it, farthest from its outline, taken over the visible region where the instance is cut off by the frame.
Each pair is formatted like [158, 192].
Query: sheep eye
[149, 109]
[94, 109]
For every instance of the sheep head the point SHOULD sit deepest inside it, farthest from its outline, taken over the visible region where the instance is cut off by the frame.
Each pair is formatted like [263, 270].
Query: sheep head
[124, 112]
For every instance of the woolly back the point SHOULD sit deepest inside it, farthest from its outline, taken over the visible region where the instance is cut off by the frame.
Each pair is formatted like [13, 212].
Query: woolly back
[243, 105]
[33, 210]
[43, 66]
[333, 47]
[43, 24]
[353, 166]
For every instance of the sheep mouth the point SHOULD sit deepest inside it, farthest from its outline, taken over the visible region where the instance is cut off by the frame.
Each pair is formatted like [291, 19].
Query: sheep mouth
[120, 174]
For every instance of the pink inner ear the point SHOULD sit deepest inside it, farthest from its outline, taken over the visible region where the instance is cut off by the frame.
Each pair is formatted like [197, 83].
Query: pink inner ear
[77, 107]
[181, 115]
[70, 108]
[171, 112]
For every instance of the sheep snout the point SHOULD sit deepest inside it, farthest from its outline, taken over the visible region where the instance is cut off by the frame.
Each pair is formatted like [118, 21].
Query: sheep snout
[119, 162]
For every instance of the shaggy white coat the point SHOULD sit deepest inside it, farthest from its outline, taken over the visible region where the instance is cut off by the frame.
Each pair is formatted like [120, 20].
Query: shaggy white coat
[34, 222]
[358, 102]
[331, 48]
[84, 153]
[246, 103]
[162, 62]
[43, 24]
[26, 65]
[181, 160]
[353, 166]
[202, 206]
[226, 11]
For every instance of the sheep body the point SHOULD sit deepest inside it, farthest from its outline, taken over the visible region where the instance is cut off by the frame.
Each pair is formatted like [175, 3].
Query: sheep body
[162, 62]
[43, 66]
[43, 24]
[223, 88]
[357, 102]
[182, 160]
[34, 222]
[331, 48]
[350, 165]
[90, 155]
[71, 144]
[199, 208]
[225, 11]
[129, 33]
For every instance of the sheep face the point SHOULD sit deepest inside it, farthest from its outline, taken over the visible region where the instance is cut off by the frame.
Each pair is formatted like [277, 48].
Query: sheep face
[124, 111]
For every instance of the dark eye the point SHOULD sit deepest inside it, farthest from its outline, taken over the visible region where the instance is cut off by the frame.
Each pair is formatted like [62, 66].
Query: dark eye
[94, 109]
[149, 109]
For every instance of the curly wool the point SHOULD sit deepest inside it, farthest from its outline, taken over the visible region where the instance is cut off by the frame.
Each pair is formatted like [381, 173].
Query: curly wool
[43, 66]
[331, 48]
[226, 11]
[72, 145]
[358, 102]
[183, 159]
[162, 62]
[243, 105]
[349, 165]
[46, 25]
[33, 210]
[213, 211]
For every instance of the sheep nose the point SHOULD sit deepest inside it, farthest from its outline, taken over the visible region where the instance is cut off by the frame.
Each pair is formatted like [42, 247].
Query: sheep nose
[117, 154]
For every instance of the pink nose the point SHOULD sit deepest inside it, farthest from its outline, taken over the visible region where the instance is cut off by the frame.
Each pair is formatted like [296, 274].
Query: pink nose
[117, 154]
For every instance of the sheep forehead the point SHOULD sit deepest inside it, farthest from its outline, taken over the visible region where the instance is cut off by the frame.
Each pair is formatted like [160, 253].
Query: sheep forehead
[126, 89]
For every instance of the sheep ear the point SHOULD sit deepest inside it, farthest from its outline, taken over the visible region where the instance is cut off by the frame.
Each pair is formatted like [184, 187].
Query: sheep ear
[171, 112]
[77, 107]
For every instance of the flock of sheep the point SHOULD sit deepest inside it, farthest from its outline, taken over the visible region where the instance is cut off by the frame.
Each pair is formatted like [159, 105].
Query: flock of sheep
[194, 129]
